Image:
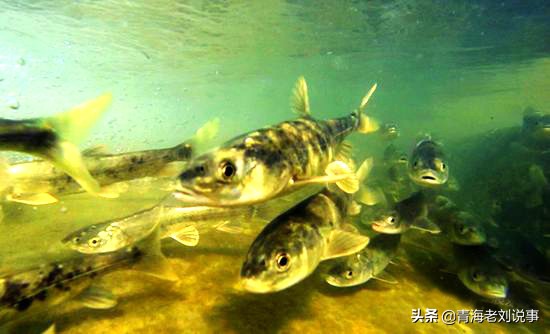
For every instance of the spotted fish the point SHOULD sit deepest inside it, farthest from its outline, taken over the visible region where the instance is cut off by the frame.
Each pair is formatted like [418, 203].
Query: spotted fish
[264, 163]
[38, 288]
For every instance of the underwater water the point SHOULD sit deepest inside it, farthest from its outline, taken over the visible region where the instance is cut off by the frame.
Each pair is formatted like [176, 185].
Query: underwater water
[461, 71]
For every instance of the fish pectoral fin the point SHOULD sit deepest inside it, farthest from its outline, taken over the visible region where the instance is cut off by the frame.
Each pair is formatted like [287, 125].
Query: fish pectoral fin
[343, 176]
[50, 330]
[32, 199]
[300, 98]
[342, 243]
[426, 225]
[98, 298]
[188, 236]
[97, 150]
[226, 227]
[385, 277]
[171, 169]
[370, 196]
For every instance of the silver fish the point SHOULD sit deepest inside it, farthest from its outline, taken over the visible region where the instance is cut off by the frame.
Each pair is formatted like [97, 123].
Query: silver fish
[183, 224]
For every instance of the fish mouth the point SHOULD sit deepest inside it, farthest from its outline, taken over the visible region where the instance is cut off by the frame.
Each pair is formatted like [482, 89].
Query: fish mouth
[497, 292]
[429, 177]
[190, 196]
[334, 282]
[254, 286]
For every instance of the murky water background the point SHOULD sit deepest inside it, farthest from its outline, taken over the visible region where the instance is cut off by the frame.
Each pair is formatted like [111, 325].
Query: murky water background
[454, 70]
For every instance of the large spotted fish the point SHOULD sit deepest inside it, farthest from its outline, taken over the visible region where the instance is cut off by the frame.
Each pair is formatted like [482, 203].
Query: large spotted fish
[265, 163]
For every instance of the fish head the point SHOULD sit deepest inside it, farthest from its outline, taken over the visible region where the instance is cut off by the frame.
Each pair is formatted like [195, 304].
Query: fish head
[274, 262]
[536, 125]
[428, 171]
[94, 239]
[228, 176]
[350, 271]
[389, 131]
[467, 230]
[389, 222]
[484, 281]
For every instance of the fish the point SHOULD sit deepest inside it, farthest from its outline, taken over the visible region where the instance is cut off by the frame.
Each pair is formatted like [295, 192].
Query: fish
[182, 224]
[459, 227]
[40, 183]
[520, 257]
[42, 286]
[535, 130]
[291, 247]
[262, 164]
[368, 264]
[389, 131]
[480, 273]
[411, 212]
[54, 139]
[427, 164]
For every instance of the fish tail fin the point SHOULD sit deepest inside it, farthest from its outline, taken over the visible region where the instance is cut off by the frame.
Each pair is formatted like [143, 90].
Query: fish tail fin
[366, 124]
[153, 262]
[73, 126]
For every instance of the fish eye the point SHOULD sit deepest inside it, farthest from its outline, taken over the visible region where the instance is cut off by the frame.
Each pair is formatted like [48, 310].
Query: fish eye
[415, 164]
[227, 169]
[461, 228]
[76, 240]
[391, 219]
[94, 242]
[478, 276]
[283, 261]
[349, 274]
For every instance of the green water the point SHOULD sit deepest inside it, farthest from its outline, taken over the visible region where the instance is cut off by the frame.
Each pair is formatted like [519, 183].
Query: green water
[455, 70]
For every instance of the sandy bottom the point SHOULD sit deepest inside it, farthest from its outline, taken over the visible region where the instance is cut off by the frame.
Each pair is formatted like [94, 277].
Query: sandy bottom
[205, 301]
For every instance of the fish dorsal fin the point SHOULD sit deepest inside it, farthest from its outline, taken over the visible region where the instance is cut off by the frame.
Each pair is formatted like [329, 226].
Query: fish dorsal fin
[344, 153]
[188, 236]
[226, 227]
[343, 243]
[204, 137]
[325, 207]
[300, 98]
[385, 277]
[426, 225]
[97, 150]
[98, 298]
